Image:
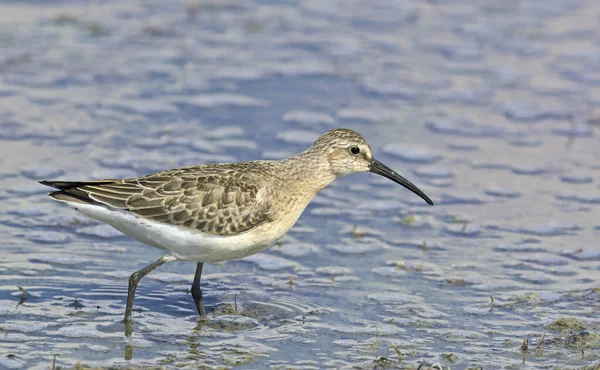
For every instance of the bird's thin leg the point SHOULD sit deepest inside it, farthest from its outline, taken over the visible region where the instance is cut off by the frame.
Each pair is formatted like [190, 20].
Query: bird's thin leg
[197, 292]
[134, 279]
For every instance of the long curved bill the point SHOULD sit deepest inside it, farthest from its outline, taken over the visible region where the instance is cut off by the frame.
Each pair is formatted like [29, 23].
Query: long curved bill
[383, 170]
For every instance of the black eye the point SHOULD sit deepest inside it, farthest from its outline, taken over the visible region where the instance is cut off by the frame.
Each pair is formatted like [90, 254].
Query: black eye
[355, 150]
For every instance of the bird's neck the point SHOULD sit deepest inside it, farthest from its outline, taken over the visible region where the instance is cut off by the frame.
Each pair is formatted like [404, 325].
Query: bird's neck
[308, 171]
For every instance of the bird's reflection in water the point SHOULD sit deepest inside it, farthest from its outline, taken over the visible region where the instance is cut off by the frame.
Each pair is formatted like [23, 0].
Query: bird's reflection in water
[128, 346]
[191, 340]
[128, 352]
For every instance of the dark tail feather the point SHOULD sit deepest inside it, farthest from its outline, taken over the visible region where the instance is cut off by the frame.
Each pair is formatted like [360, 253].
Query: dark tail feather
[66, 185]
[69, 190]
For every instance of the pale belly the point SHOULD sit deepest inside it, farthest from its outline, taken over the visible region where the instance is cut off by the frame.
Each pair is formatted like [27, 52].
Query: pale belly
[188, 244]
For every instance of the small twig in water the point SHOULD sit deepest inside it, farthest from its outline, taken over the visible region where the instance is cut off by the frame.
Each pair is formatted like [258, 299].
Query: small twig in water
[572, 134]
[541, 340]
[374, 345]
[54, 363]
[400, 356]
[525, 344]
[291, 281]
[25, 294]
[235, 302]
[492, 298]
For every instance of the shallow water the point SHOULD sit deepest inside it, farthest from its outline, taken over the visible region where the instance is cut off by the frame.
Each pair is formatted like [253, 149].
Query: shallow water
[492, 109]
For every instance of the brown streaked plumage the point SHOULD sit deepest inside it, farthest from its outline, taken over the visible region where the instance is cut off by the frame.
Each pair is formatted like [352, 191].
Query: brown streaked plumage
[214, 199]
[218, 212]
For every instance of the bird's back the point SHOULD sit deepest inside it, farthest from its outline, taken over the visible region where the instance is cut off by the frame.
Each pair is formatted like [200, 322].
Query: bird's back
[220, 199]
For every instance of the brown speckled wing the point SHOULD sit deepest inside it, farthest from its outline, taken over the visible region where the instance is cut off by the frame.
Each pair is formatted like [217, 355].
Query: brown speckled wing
[211, 199]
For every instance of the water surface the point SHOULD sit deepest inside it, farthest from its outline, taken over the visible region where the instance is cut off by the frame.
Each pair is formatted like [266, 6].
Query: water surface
[491, 108]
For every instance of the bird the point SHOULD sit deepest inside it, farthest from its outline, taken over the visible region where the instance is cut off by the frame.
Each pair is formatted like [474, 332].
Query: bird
[218, 212]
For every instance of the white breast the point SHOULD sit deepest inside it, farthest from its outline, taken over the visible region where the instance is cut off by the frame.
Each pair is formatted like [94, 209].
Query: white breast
[184, 243]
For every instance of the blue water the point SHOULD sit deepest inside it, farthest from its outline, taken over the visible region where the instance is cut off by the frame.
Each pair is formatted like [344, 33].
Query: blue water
[492, 108]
